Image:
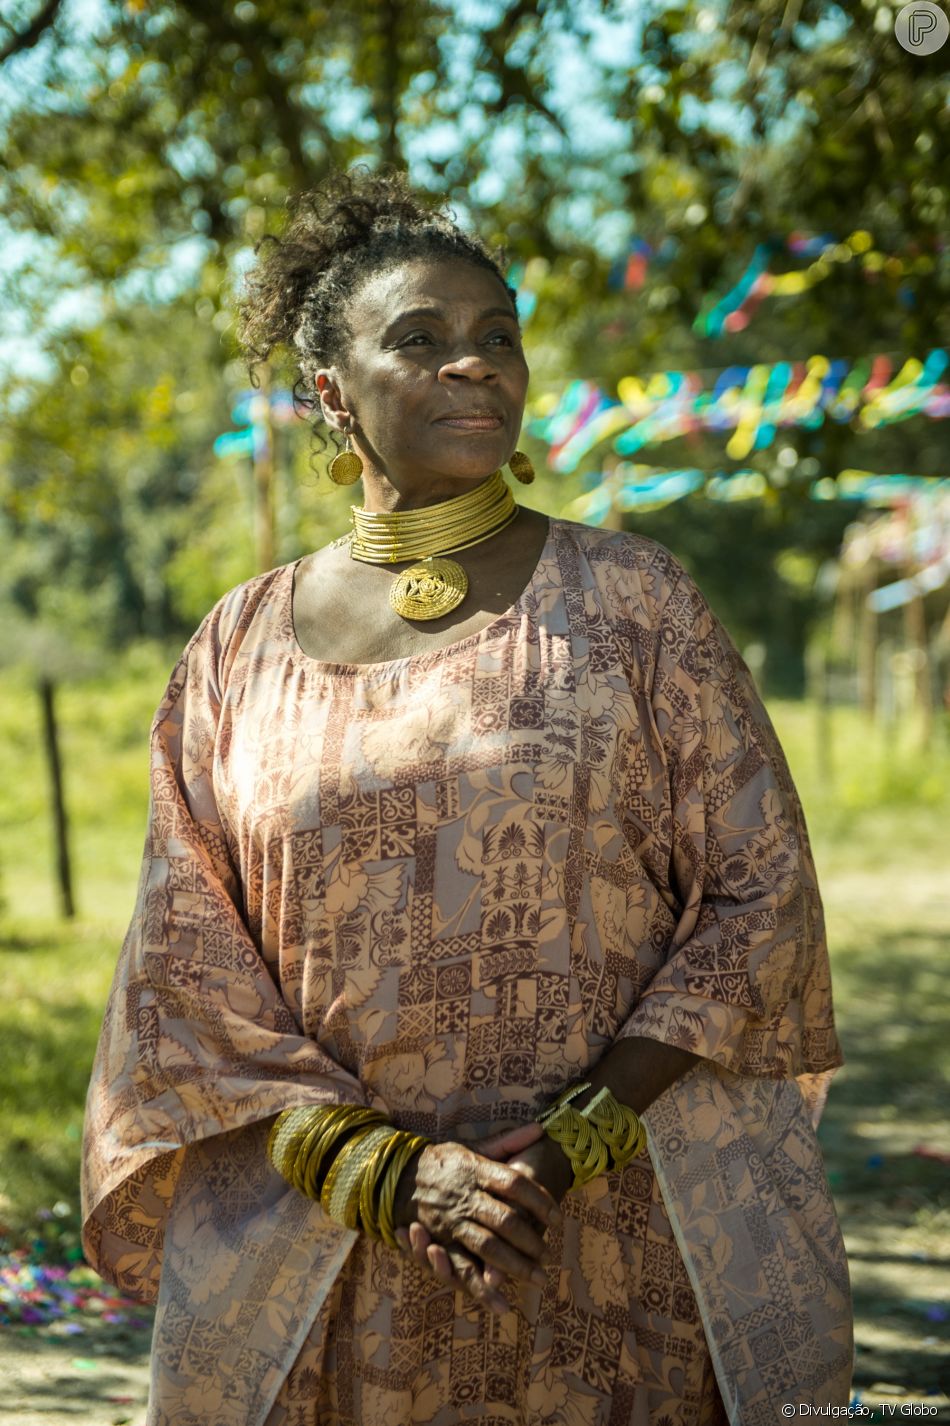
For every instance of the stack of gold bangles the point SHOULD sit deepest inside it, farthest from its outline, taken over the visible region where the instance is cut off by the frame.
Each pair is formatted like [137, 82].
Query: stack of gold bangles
[347, 1157]
[604, 1134]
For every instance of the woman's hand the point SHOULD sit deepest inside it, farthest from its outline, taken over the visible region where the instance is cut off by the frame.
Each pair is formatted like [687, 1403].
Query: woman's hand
[526, 1148]
[547, 1164]
[475, 1220]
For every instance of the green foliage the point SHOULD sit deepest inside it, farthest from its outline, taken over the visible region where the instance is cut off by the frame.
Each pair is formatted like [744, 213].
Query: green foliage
[756, 561]
[145, 165]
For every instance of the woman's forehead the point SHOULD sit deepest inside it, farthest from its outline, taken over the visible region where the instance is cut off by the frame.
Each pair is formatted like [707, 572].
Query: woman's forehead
[436, 283]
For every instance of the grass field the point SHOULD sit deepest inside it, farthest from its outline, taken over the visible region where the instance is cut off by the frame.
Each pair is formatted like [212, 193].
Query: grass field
[878, 812]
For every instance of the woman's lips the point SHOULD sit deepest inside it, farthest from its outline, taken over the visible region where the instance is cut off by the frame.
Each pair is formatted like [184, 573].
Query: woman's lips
[472, 423]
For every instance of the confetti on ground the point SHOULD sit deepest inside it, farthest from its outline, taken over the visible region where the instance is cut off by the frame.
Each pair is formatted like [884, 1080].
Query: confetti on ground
[924, 1151]
[34, 1294]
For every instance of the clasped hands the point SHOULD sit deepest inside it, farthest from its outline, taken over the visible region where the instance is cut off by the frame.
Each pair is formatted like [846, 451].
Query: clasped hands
[476, 1217]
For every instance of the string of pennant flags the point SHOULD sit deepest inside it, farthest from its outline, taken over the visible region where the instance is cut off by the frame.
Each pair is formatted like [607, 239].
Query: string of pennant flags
[752, 402]
[642, 488]
[733, 311]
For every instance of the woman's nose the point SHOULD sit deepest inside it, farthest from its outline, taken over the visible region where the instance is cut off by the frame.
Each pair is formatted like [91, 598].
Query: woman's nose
[468, 366]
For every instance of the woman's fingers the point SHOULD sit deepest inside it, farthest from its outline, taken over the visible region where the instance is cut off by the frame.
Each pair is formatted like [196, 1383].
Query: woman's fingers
[517, 1188]
[416, 1242]
[472, 1281]
[513, 1227]
[512, 1141]
[436, 1256]
[497, 1252]
[440, 1262]
[402, 1238]
[430, 1254]
[495, 1213]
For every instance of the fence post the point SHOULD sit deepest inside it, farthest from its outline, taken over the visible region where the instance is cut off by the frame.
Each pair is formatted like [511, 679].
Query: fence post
[60, 823]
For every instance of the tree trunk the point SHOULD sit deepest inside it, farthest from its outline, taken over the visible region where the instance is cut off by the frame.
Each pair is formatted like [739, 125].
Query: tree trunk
[613, 520]
[915, 625]
[816, 669]
[60, 824]
[264, 476]
[867, 648]
[389, 82]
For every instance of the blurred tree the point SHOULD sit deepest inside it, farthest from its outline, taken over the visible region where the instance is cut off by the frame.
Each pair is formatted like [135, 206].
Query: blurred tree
[98, 469]
[147, 154]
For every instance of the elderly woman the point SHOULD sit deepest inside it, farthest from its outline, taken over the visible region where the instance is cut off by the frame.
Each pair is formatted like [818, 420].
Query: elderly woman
[464, 1051]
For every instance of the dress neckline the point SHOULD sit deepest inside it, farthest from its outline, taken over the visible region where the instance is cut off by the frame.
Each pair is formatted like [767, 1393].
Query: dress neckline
[426, 658]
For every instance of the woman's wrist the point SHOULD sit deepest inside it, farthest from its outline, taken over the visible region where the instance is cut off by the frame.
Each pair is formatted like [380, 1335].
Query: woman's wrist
[636, 1071]
[404, 1204]
[595, 1123]
[554, 1167]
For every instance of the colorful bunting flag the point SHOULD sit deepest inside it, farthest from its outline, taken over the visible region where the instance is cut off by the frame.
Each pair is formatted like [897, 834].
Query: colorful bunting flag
[751, 402]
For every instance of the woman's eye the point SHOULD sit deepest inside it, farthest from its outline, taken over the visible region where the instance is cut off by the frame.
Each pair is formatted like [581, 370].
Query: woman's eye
[415, 339]
[505, 338]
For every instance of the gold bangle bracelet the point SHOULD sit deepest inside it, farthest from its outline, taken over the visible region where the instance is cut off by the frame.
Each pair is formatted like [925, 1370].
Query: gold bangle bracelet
[359, 1187]
[310, 1154]
[387, 1194]
[585, 1150]
[563, 1098]
[351, 1134]
[287, 1132]
[619, 1127]
[372, 1183]
[300, 1138]
[347, 1173]
[343, 1155]
[309, 1176]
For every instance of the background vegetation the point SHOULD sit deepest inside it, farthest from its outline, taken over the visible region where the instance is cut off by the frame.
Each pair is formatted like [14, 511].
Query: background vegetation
[148, 144]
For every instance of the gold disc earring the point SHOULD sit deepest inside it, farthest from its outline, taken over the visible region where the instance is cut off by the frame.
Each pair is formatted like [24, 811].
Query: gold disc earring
[346, 467]
[521, 467]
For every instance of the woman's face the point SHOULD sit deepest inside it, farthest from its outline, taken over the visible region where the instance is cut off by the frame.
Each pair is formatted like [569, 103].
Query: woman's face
[434, 380]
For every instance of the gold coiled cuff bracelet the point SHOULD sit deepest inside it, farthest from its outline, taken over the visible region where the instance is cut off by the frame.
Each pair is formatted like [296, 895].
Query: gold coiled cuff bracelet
[604, 1134]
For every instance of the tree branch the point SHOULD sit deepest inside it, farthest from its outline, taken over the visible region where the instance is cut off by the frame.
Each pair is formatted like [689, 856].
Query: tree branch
[515, 85]
[27, 38]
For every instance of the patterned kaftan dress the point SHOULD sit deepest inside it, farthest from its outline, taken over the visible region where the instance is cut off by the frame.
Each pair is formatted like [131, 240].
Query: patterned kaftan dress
[444, 885]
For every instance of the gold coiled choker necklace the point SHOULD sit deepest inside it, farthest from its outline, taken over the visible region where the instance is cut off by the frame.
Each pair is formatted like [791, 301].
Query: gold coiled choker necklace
[433, 586]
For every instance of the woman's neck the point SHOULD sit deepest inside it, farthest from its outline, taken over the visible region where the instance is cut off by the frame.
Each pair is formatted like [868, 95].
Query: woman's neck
[381, 496]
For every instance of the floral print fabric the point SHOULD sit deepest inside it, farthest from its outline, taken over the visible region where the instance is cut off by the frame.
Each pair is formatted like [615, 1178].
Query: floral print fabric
[444, 886]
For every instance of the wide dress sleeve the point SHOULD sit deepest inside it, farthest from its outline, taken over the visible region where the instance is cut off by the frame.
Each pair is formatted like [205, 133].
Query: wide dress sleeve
[745, 981]
[197, 1040]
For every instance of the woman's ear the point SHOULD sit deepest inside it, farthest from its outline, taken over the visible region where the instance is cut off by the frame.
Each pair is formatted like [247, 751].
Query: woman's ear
[331, 400]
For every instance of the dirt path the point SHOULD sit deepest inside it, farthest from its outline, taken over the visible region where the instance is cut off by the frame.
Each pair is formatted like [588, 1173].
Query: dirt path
[101, 1377]
[98, 1378]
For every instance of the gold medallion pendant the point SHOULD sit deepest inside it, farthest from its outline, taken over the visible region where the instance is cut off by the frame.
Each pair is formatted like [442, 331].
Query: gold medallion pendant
[429, 589]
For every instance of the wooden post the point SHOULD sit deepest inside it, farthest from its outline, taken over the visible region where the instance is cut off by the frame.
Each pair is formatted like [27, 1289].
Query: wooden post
[816, 665]
[915, 628]
[60, 824]
[867, 647]
[263, 458]
[613, 520]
